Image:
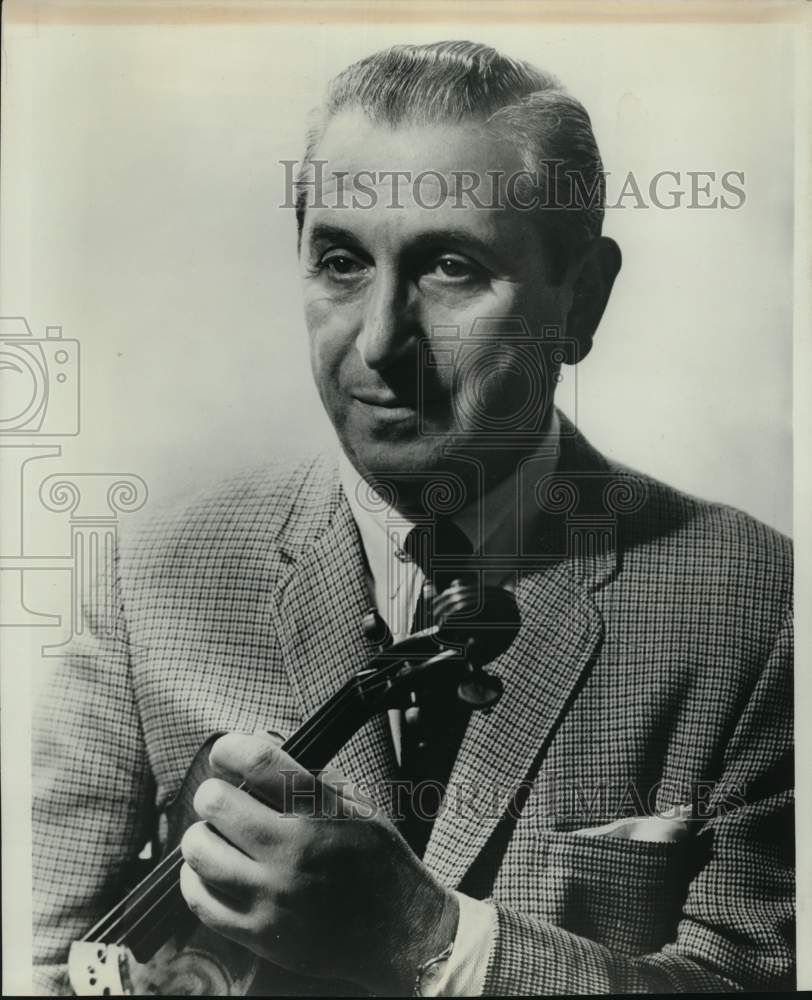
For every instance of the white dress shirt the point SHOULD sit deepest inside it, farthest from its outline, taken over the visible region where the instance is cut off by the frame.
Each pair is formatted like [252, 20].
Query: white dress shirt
[495, 528]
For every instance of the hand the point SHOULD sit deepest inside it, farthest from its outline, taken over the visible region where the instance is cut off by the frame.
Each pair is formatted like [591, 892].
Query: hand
[313, 878]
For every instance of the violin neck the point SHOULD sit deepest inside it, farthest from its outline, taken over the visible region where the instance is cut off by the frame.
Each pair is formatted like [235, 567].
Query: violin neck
[319, 739]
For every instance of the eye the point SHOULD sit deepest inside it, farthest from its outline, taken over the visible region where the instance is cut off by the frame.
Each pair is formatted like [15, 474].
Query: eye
[451, 268]
[341, 265]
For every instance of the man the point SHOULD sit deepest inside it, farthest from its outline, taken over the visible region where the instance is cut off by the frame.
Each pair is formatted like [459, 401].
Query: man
[619, 821]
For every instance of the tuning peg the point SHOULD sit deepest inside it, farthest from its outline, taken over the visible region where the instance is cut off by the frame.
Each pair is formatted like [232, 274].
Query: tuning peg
[376, 630]
[479, 689]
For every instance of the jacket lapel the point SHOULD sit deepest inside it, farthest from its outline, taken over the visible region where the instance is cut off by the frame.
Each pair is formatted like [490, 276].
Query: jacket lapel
[575, 552]
[319, 617]
[561, 630]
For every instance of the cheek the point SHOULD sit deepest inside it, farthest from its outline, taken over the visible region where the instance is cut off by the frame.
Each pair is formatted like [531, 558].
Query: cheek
[330, 340]
[502, 387]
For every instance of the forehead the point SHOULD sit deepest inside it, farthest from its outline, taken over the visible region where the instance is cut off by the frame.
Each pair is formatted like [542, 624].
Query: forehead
[412, 179]
[352, 141]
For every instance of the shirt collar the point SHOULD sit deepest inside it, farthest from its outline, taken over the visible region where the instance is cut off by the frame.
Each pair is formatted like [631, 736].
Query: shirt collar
[492, 524]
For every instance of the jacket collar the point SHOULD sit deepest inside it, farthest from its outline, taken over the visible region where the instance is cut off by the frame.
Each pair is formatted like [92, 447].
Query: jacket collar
[318, 613]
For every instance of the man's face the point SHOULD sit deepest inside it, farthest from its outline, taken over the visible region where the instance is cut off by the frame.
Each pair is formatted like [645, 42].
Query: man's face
[386, 287]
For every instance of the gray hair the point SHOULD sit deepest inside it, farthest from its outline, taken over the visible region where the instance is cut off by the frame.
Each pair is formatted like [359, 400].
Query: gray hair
[458, 81]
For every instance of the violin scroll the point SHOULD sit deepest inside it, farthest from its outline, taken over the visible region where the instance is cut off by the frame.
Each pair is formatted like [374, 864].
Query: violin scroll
[483, 621]
[488, 620]
[472, 626]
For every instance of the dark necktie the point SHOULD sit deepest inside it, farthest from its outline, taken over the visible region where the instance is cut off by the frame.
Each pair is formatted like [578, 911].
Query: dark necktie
[433, 727]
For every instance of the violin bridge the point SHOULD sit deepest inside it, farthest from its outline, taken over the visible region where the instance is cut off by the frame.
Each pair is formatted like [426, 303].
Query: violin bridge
[99, 970]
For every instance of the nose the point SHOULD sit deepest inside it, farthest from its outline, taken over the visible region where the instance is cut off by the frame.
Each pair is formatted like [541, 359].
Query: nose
[389, 327]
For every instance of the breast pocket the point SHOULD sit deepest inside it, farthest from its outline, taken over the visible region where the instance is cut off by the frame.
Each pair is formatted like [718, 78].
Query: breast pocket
[625, 894]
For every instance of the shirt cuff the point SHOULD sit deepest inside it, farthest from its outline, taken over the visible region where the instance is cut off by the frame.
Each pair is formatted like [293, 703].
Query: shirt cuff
[464, 972]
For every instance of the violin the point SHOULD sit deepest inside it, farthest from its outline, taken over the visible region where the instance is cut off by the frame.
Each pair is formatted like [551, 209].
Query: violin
[150, 943]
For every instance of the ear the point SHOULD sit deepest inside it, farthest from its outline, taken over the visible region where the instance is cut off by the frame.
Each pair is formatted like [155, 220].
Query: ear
[591, 283]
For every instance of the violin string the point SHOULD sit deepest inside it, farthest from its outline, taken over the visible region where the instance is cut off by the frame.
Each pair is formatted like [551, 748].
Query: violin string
[128, 935]
[172, 913]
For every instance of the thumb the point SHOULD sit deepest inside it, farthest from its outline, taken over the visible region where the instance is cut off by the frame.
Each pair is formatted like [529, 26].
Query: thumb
[275, 778]
[221, 765]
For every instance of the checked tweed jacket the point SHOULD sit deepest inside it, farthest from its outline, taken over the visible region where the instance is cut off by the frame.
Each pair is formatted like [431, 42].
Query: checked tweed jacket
[652, 669]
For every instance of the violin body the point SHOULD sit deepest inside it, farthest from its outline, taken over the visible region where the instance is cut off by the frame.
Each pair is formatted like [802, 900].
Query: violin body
[194, 960]
[150, 944]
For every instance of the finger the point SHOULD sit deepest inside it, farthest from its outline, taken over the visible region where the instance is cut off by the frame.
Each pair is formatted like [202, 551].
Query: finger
[212, 908]
[220, 865]
[222, 769]
[274, 776]
[251, 826]
[284, 783]
[272, 734]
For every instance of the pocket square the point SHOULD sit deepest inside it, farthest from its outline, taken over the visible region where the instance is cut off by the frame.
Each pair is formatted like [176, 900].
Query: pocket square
[668, 827]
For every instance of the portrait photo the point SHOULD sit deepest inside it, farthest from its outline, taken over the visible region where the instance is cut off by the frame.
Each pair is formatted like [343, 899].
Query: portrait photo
[404, 445]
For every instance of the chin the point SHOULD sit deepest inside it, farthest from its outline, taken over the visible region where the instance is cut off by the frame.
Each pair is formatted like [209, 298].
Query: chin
[399, 458]
[416, 476]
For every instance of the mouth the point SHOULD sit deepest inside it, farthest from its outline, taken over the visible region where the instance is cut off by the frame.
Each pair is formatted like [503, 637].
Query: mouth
[390, 409]
[387, 408]
[385, 400]
[388, 400]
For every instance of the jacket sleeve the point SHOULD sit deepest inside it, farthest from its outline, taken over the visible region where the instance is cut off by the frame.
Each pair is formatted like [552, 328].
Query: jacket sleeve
[93, 793]
[736, 930]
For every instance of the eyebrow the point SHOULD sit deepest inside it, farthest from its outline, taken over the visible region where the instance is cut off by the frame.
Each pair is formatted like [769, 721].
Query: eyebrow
[332, 234]
[324, 233]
